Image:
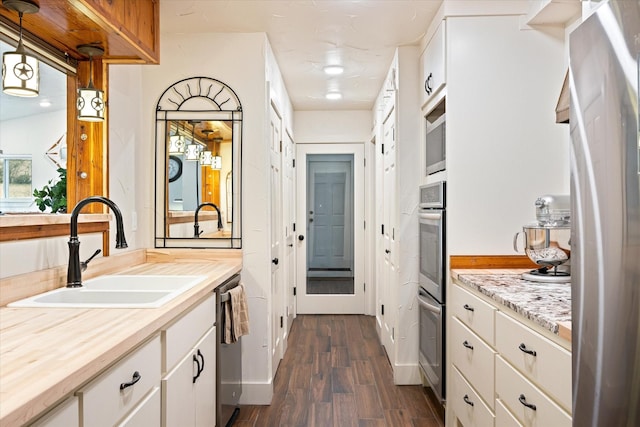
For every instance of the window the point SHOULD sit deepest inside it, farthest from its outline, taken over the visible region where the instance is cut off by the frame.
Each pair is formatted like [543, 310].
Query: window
[16, 181]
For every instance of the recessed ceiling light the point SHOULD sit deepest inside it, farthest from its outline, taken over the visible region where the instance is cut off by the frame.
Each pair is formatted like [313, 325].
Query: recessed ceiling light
[45, 103]
[333, 70]
[333, 95]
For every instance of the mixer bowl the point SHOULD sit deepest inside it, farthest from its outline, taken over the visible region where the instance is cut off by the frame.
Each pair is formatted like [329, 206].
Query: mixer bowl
[546, 246]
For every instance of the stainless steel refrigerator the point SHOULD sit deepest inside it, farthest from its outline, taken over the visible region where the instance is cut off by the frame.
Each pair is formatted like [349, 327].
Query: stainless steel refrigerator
[605, 194]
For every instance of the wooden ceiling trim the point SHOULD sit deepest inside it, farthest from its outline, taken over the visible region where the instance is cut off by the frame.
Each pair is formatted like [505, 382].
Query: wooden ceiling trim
[127, 30]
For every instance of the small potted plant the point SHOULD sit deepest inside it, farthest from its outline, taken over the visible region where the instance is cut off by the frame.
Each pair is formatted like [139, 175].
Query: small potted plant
[54, 194]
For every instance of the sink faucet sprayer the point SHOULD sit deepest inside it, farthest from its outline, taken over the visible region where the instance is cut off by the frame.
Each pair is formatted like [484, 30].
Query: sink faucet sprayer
[196, 227]
[75, 269]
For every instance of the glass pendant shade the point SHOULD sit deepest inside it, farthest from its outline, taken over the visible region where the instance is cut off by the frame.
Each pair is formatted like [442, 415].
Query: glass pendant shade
[176, 144]
[90, 104]
[216, 162]
[192, 152]
[206, 157]
[20, 71]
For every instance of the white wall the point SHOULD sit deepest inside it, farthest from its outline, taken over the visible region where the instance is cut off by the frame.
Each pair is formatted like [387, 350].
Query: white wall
[334, 126]
[407, 196]
[238, 60]
[404, 285]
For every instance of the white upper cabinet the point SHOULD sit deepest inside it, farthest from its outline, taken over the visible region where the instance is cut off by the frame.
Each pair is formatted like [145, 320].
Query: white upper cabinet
[432, 65]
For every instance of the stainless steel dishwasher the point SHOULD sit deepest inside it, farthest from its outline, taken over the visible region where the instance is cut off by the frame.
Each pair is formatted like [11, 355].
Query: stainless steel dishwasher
[228, 363]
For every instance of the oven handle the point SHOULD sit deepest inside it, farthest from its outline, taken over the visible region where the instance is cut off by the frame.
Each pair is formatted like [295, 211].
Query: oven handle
[426, 304]
[431, 215]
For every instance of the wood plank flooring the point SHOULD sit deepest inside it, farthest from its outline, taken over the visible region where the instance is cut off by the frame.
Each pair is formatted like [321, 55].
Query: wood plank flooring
[336, 373]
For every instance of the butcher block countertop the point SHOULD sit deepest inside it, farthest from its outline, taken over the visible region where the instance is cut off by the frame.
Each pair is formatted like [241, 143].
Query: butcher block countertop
[48, 353]
[545, 304]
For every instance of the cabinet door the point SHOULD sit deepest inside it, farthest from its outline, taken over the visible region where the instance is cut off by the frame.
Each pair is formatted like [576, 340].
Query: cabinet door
[65, 414]
[178, 394]
[433, 64]
[147, 413]
[189, 390]
[205, 385]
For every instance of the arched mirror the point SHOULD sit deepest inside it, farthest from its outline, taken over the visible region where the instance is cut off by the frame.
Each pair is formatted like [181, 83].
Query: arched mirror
[198, 160]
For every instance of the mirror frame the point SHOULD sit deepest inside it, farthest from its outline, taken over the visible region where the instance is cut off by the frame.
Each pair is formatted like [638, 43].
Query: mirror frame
[174, 105]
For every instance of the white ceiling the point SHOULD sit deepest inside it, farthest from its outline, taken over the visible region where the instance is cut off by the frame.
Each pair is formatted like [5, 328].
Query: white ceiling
[306, 35]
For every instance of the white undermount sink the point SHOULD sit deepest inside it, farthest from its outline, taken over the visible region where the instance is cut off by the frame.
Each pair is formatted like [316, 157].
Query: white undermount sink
[115, 291]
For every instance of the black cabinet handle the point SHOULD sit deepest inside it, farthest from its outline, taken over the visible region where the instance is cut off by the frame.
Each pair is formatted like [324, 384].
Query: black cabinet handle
[523, 348]
[202, 360]
[301, 237]
[467, 400]
[468, 307]
[387, 251]
[275, 261]
[195, 377]
[523, 400]
[466, 344]
[134, 379]
[427, 84]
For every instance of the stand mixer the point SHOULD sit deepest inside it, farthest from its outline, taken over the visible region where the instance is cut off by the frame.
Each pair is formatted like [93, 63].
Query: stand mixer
[547, 241]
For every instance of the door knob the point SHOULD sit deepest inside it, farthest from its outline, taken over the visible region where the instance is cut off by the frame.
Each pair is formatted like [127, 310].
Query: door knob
[387, 251]
[275, 261]
[301, 237]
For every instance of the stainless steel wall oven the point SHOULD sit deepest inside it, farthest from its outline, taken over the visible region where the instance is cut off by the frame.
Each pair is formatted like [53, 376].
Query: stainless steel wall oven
[432, 290]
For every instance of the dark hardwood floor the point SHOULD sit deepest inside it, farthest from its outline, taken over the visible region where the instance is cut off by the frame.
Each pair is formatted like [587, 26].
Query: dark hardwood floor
[336, 373]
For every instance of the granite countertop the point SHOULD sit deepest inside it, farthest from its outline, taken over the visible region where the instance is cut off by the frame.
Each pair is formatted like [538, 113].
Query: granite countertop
[546, 304]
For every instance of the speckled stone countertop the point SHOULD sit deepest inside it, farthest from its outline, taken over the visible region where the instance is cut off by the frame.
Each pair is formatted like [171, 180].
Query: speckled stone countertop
[547, 304]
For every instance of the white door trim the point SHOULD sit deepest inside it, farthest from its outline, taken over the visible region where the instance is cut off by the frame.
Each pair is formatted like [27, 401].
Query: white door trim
[330, 304]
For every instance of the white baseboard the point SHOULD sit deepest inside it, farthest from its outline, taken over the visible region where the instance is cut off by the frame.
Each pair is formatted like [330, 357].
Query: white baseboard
[257, 393]
[406, 374]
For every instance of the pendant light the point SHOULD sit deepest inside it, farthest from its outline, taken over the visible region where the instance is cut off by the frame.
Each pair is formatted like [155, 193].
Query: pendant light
[20, 71]
[192, 150]
[90, 101]
[216, 161]
[176, 141]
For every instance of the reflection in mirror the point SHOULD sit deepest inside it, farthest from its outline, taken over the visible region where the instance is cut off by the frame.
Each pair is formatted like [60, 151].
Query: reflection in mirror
[32, 139]
[198, 143]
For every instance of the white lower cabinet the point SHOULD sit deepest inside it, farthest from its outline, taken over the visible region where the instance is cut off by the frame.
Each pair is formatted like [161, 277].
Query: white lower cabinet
[189, 390]
[525, 401]
[64, 414]
[470, 409]
[523, 379]
[134, 393]
[504, 418]
[147, 413]
[116, 393]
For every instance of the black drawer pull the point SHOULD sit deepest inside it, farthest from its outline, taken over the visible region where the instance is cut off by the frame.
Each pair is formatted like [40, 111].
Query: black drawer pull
[468, 307]
[134, 379]
[467, 400]
[523, 400]
[466, 344]
[524, 349]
